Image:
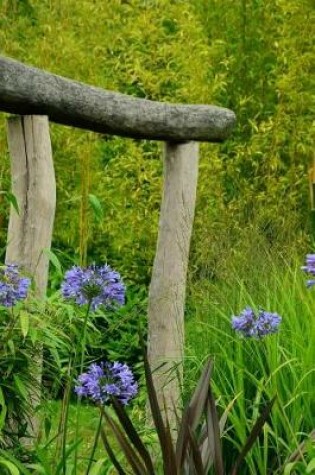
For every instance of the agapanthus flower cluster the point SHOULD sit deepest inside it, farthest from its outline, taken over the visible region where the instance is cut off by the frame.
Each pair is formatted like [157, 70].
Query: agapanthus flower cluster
[94, 285]
[13, 287]
[310, 268]
[256, 325]
[104, 380]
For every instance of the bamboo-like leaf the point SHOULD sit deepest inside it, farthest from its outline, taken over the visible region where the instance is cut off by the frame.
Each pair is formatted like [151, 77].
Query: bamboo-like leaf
[289, 467]
[40, 470]
[3, 409]
[54, 260]
[21, 467]
[111, 454]
[311, 467]
[96, 207]
[225, 414]
[133, 435]
[11, 199]
[97, 468]
[20, 386]
[131, 455]
[24, 322]
[253, 435]
[10, 466]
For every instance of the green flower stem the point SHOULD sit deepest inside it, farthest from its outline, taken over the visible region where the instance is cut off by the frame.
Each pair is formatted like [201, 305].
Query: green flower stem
[82, 360]
[83, 341]
[64, 422]
[96, 439]
[8, 331]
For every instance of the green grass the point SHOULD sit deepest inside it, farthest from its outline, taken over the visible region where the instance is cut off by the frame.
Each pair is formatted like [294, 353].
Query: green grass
[88, 423]
[254, 371]
[89, 419]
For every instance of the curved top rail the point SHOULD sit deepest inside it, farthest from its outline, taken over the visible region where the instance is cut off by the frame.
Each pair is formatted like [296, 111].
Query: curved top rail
[28, 90]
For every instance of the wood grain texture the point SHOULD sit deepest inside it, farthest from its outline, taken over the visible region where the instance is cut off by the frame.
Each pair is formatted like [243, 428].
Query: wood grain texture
[168, 283]
[28, 90]
[30, 231]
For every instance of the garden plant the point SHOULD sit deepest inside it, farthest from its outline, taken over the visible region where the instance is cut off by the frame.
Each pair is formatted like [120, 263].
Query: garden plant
[111, 386]
[78, 355]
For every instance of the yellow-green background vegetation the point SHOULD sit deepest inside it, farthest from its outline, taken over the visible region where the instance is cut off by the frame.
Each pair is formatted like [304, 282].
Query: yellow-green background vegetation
[253, 56]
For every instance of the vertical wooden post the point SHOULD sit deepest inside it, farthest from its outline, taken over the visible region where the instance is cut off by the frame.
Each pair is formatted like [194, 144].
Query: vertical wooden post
[168, 283]
[30, 231]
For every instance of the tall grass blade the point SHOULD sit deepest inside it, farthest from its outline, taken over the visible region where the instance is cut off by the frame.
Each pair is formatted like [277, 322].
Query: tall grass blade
[253, 435]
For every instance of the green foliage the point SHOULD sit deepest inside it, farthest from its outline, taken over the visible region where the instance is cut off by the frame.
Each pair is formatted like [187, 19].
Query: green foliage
[24, 332]
[254, 57]
[262, 68]
[119, 330]
[253, 370]
[302, 462]
[197, 447]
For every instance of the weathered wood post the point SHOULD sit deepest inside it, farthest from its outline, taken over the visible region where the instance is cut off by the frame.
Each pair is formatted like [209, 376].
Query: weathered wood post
[168, 282]
[30, 231]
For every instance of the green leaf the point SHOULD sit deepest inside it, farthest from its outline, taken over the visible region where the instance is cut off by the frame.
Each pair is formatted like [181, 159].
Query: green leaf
[11, 199]
[96, 207]
[289, 467]
[47, 426]
[20, 386]
[54, 260]
[3, 409]
[311, 467]
[6, 456]
[253, 435]
[11, 346]
[10, 466]
[39, 468]
[97, 467]
[24, 322]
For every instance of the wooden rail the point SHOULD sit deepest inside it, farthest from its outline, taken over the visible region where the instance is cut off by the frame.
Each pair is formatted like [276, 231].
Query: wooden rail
[26, 90]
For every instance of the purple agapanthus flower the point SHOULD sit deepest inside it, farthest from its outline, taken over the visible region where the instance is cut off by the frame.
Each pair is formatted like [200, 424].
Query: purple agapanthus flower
[13, 287]
[96, 285]
[310, 268]
[257, 325]
[105, 380]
